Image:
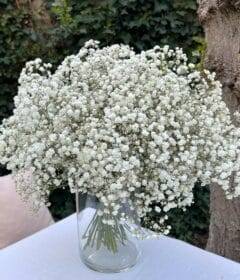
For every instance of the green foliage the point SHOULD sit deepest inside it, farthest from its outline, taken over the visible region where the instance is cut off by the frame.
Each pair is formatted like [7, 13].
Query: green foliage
[192, 224]
[62, 10]
[200, 51]
[140, 23]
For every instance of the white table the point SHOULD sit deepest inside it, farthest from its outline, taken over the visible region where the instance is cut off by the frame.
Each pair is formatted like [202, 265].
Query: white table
[52, 254]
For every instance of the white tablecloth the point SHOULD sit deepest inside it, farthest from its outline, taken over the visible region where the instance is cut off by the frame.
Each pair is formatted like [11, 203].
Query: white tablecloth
[52, 254]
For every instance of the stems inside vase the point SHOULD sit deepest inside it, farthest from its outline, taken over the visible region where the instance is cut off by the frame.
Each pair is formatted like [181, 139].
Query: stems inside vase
[100, 233]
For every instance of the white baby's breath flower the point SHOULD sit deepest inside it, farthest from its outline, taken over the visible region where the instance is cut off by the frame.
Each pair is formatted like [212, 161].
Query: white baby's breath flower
[124, 127]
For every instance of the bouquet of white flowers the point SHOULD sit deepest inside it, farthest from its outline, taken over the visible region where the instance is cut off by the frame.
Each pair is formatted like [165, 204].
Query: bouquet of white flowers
[121, 126]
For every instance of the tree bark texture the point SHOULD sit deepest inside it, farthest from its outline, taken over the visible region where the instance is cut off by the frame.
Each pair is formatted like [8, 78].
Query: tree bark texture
[221, 22]
[38, 11]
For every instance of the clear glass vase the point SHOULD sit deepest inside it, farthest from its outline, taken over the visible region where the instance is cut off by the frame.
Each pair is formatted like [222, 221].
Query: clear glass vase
[107, 242]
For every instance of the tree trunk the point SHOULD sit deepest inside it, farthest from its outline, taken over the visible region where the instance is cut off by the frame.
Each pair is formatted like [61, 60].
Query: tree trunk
[221, 22]
[38, 10]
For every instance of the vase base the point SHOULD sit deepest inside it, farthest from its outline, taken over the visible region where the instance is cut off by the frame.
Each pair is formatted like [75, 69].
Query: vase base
[104, 261]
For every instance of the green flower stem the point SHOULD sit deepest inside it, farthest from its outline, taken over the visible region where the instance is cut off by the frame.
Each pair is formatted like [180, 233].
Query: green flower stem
[100, 234]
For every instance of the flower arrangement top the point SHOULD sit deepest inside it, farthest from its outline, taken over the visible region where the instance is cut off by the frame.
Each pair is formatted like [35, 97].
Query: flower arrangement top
[121, 126]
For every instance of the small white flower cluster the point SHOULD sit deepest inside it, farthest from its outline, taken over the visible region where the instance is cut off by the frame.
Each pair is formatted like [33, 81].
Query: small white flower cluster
[122, 126]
